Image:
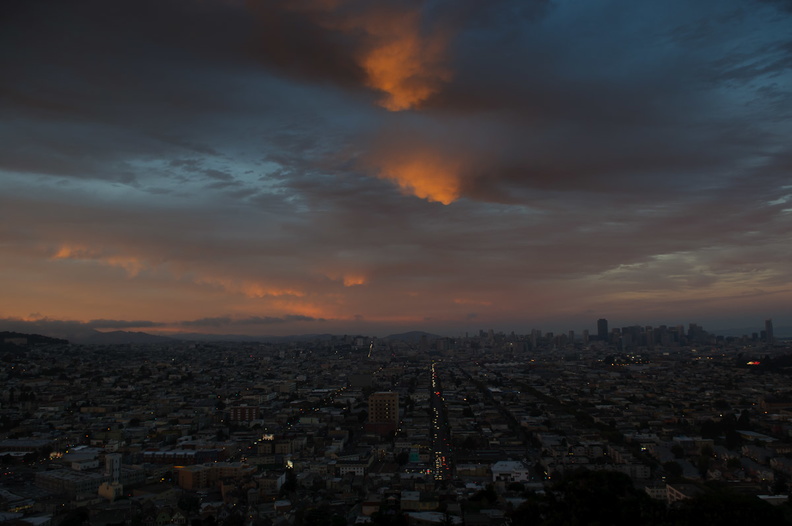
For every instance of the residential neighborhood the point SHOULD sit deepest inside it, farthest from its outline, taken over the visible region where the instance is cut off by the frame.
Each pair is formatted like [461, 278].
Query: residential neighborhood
[352, 429]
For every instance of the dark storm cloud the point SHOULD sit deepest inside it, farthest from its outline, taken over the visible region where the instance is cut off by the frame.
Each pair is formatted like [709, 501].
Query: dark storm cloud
[295, 43]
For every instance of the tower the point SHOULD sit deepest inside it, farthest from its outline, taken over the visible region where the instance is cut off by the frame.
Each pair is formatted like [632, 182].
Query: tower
[113, 466]
[602, 329]
[769, 330]
[112, 489]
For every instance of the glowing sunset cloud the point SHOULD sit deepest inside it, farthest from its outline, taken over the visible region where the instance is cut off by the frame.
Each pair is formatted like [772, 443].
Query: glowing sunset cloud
[133, 266]
[354, 280]
[300, 307]
[405, 65]
[428, 177]
[400, 58]
[247, 288]
[348, 278]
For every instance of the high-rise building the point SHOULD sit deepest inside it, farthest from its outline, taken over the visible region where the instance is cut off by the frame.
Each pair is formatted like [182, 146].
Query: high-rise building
[113, 466]
[112, 489]
[769, 330]
[650, 336]
[383, 412]
[602, 329]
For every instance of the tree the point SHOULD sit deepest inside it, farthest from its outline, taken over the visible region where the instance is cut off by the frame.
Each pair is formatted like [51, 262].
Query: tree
[673, 469]
[290, 484]
[189, 503]
[403, 457]
[76, 517]
[597, 497]
[487, 494]
[235, 519]
[516, 486]
[780, 483]
[711, 429]
[470, 442]
[703, 465]
[389, 517]
[726, 509]
[744, 421]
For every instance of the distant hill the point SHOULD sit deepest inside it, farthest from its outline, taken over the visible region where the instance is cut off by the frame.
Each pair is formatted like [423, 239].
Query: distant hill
[86, 336]
[200, 337]
[298, 338]
[122, 337]
[412, 336]
[196, 336]
[10, 337]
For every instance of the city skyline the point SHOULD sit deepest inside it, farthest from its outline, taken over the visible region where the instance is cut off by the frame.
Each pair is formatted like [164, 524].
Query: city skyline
[638, 334]
[340, 166]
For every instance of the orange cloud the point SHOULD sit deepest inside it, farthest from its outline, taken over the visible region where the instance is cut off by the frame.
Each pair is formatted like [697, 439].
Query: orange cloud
[349, 279]
[468, 301]
[399, 58]
[353, 280]
[426, 176]
[132, 265]
[405, 65]
[304, 308]
[250, 289]
[71, 252]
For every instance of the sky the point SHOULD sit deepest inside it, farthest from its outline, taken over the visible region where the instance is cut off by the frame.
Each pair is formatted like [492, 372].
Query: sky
[274, 167]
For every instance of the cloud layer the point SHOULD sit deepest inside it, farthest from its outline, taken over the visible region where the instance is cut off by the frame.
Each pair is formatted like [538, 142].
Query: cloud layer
[272, 166]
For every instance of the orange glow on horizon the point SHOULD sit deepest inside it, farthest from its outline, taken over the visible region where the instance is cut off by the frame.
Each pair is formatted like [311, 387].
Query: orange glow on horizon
[302, 308]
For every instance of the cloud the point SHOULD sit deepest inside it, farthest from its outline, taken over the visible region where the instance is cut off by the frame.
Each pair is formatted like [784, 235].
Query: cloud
[222, 161]
[425, 176]
[354, 280]
[122, 324]
[392, 47]
[132, 265]
[225, 321]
